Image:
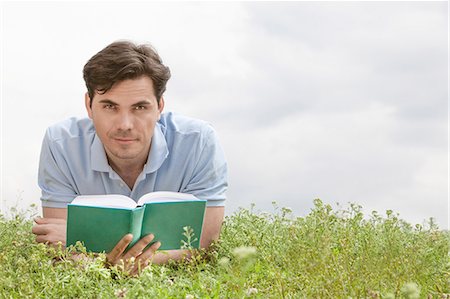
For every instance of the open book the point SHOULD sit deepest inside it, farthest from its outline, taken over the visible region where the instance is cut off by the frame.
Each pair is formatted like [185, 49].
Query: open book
[100, 221]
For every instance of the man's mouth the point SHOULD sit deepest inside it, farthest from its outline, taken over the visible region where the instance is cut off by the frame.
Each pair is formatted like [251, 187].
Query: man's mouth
[125, 140]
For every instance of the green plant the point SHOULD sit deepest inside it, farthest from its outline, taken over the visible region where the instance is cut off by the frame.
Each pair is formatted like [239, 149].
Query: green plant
[326, 254]
[188, 233]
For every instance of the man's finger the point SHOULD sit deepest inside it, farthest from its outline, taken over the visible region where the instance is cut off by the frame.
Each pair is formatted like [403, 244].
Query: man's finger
[40, 220]
[40, 229]
[138, 247]
[148, 254]
[114, 255]
[138, 267]
[41, 238]
[145, 258]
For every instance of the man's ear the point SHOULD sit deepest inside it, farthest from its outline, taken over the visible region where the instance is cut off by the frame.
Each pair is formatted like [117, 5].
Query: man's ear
[87, 104]
[161, 105]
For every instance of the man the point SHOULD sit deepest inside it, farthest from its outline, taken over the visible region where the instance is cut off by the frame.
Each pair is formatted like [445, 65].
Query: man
[128, 146]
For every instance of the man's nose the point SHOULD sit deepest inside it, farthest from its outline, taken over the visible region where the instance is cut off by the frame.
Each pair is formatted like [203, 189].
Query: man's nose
[125, 121]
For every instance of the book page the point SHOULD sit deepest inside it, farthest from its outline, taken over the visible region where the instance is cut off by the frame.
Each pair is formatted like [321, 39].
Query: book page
[165, 196]
[107, 200]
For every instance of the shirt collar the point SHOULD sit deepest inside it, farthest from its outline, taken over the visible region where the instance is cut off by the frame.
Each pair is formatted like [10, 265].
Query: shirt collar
[158, 153]
[99, 162]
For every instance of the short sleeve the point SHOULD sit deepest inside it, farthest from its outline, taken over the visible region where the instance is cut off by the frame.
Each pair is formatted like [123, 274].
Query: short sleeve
[209, 179]
[54, 175]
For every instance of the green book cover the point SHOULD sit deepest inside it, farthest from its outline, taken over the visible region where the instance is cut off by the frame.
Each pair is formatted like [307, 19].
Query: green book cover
[100, 221]
[168, 228]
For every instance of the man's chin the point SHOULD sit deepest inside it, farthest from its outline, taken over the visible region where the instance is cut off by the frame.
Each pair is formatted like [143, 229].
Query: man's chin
[126, 156]
[124, 152]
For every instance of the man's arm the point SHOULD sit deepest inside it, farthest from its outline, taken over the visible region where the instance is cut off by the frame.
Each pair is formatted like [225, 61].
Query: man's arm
[59, 213]
[212, 225]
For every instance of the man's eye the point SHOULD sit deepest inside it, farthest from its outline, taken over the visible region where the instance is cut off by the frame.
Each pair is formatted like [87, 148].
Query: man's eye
[140, 107]
[109, 106]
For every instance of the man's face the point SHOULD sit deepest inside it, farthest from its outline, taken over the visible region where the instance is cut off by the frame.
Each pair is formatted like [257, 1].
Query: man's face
[124, 119]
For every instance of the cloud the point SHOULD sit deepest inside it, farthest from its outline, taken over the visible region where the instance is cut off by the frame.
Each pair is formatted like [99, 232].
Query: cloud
[310, 60]
[350, 110]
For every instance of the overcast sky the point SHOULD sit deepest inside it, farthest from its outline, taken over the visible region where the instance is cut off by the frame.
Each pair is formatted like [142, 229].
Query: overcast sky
[343, 101]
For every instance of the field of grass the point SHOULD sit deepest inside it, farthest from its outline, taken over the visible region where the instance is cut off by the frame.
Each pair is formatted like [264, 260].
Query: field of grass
[327, 254]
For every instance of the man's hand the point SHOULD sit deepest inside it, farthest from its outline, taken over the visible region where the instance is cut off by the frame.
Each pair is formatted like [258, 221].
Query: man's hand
[50, 230]
[134, 260]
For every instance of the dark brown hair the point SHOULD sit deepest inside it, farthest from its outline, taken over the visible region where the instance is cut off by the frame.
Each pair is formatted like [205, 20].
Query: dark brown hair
[124, 60]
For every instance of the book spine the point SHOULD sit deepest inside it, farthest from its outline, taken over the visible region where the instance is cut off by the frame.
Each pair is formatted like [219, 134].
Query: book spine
[136, 224]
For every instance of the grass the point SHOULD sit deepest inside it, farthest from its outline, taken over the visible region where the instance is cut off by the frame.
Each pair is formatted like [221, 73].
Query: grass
[327, 254]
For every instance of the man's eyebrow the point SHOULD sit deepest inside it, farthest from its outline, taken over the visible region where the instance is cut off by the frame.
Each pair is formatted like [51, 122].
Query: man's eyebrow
[141, 103]
[107, 101]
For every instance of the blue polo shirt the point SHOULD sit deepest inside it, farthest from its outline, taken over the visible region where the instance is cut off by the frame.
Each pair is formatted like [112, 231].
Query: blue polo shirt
[185, 156]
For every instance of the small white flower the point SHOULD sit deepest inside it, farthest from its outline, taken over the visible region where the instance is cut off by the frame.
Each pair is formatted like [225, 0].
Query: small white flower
[411, 290]
[244, 252]
[189, 296]
[251, 291]
[224, 261]
[121, 293]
